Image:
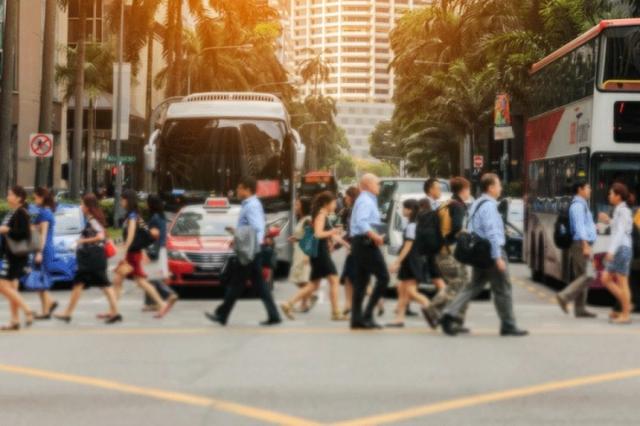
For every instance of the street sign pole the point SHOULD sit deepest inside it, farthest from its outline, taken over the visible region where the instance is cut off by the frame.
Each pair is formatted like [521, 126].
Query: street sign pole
[117, 211]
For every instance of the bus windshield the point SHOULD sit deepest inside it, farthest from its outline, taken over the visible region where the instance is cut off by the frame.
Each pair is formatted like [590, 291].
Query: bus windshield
[211, 154]
[609, 169]
[620, 70]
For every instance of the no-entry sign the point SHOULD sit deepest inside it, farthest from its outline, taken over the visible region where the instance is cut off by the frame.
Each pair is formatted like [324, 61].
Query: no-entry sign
[41, 145]
[478, 161]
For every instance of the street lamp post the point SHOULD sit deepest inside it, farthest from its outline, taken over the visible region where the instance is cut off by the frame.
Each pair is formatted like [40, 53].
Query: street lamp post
[117, 213]
[209, 49]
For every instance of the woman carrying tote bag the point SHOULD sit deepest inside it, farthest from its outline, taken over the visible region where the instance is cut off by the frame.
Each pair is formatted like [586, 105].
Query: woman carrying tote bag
[15, 231]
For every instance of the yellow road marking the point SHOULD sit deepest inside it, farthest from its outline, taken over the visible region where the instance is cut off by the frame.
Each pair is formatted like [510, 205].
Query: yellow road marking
[260, 414]
[488, 398]
[296, 331]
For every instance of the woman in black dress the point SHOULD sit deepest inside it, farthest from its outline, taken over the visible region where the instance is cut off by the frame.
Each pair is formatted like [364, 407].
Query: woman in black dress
[15, 226]
[92, 262]
[322, 266]
[349, 270]
[409, 266]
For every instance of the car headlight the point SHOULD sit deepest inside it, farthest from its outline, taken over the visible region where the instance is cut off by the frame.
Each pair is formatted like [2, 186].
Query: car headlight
[176, 255]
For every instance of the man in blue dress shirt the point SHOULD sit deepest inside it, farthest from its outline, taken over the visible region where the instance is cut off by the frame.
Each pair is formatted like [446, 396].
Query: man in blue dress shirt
[486, 221]
[365, 247]
[251, 215]
[583, 231]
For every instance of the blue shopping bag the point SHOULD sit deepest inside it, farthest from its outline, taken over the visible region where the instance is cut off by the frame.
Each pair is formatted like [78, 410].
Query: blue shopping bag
[37, 280]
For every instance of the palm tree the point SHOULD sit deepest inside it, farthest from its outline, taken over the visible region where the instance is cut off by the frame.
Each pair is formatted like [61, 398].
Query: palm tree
[315, 69]
[8, 77]
[97, 80]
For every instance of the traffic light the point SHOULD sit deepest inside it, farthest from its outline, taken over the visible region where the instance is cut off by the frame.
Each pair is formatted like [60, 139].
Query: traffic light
[114, 171]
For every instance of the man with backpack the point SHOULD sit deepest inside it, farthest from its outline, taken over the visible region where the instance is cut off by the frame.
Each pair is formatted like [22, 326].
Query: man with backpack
[452, 215]
[583, 234]
[487, 224]
[428, 234]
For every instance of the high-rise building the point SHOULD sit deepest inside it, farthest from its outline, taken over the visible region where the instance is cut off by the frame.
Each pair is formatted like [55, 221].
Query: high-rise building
[353, 36]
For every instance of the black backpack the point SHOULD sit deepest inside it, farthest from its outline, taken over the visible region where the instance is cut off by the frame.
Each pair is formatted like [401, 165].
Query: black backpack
[562, 237]
[429, 239]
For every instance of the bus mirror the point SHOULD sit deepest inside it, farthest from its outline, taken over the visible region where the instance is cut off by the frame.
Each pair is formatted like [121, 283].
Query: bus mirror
[583, 163]
[150, 152]
[301, 151]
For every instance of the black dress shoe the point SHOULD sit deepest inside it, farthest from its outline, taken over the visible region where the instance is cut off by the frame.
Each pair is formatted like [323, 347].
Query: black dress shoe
[372, 325]
[585, 314]
[215, 318]
[270, 322]
[514, 332]
[450, 325]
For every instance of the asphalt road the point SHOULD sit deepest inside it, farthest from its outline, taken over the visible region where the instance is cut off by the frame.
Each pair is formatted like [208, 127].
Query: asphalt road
[183, 370]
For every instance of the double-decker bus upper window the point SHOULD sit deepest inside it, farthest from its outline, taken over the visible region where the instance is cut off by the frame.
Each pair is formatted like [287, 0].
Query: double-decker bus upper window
[626, 122]
[620, 70]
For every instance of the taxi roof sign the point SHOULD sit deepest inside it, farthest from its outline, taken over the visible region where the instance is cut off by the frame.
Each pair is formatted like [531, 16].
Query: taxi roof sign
[216, 203]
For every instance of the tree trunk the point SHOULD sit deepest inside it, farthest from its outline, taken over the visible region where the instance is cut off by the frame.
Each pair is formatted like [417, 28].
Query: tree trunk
[90, 145]
[6, 104]
[78, 92]
[46, 86]
[149, 82]
[178, 55]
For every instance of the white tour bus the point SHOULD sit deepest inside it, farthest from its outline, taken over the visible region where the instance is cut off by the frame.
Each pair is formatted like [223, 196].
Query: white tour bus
[207, 141]
[586, 126]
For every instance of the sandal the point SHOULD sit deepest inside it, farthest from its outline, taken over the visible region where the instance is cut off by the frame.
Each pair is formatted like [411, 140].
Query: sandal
[11, 327]
[64, 318]
[28, 322]
[337, 316]
[167, 307]
[287, 310]
[114, 319]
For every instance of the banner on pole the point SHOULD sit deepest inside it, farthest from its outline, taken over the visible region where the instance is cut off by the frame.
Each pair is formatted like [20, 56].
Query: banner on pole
[502, 129]
[121, 114]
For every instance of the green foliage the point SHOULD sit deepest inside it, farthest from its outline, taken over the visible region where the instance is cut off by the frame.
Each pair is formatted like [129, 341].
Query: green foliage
[378, 168]
[452, 57]
[345, 168]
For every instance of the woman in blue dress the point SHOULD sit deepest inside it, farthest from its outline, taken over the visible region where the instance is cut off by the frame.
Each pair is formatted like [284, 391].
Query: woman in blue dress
[45, 224]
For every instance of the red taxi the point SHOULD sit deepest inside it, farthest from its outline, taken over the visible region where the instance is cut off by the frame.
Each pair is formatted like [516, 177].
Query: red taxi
[198, 245]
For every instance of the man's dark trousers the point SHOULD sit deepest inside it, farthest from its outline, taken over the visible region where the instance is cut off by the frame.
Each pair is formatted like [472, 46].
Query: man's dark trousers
[369, 261]
[235, 287]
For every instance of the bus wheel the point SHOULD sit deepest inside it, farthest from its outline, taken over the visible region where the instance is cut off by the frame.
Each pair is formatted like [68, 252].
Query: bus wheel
[540, 261]
[533, 262]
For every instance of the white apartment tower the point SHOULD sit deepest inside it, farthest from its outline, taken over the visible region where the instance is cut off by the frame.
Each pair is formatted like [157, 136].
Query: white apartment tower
[354, 36]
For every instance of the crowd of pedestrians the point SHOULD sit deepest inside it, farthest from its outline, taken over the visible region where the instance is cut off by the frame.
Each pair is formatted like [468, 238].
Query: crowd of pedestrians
[27, 255]
[438, 243]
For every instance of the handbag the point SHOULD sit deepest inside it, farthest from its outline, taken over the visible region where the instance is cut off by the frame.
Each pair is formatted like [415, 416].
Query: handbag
[24, 247]
[37, 280]
[471, 249]
[309, 243]
[110, 249]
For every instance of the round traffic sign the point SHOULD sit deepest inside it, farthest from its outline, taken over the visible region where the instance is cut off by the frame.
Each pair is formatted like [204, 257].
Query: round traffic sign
[41, 145]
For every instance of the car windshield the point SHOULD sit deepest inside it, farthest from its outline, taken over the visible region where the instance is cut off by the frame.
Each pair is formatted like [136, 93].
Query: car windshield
[68, 221]
[195, 224]
[211, 154]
